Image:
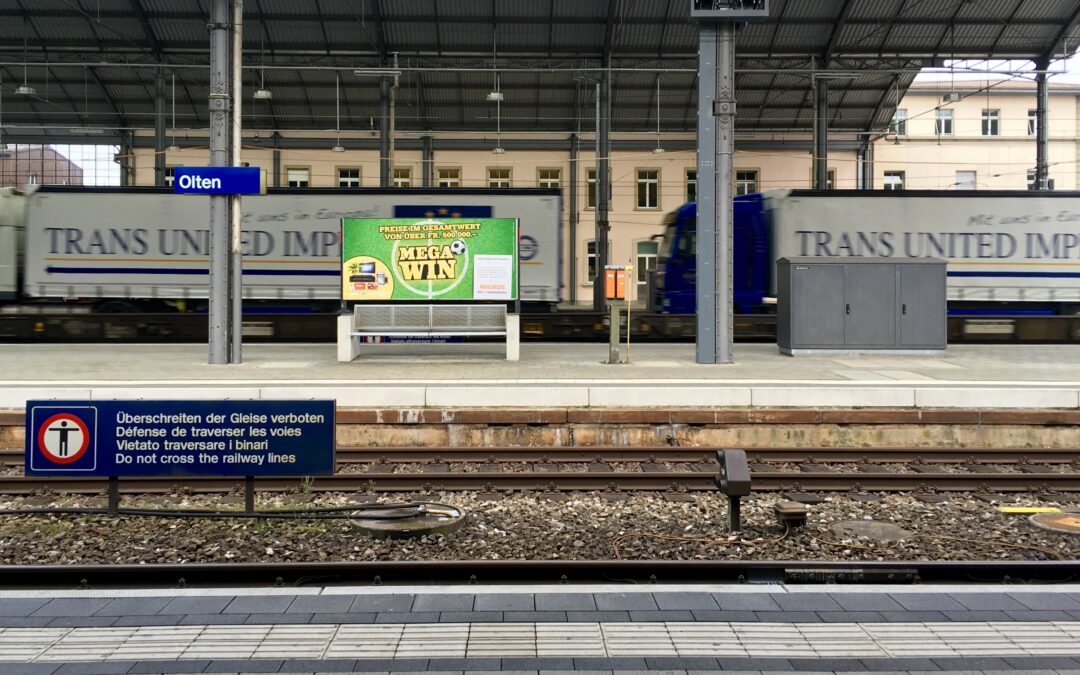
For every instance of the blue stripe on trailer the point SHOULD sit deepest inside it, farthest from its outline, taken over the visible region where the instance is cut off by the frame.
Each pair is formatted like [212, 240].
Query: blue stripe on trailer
[186, 270]
[1018, 275]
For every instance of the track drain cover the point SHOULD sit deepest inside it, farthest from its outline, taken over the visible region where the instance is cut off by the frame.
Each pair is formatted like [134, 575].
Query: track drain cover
[398, 521]
[876, 530]
[1066, 523]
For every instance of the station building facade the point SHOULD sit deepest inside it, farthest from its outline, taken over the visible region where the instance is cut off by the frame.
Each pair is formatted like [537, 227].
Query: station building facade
[984, 140]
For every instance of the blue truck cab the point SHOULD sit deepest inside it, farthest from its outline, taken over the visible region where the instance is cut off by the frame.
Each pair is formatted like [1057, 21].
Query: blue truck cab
[676, 277]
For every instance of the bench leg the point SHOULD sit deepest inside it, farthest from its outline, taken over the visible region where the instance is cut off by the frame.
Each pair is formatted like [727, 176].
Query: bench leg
[348, 347]
[513, 337]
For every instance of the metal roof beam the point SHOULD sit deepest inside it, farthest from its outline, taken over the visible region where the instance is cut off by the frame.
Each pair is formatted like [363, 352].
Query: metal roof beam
[1066, 27]
[837, 29]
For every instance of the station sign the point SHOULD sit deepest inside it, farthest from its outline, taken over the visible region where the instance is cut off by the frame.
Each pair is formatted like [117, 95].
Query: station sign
[179, 438]
[219, 180]
[444, 259]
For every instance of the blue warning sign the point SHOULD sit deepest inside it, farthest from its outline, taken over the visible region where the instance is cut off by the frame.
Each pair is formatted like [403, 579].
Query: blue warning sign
[177, 438]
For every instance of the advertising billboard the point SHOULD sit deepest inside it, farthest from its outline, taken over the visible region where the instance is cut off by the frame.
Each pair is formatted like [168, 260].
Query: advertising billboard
[450, 259]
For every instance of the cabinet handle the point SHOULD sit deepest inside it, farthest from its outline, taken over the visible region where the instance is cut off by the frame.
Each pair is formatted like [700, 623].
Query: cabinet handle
[903, 309]
[847, 309]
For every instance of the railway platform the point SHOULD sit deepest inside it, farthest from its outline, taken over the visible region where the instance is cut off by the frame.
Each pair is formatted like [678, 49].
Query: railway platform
[550, 375]
[609, 628]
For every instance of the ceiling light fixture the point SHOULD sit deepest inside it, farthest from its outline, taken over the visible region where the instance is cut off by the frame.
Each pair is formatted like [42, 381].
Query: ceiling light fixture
[658, 150]
[25, 89]
[338, 147]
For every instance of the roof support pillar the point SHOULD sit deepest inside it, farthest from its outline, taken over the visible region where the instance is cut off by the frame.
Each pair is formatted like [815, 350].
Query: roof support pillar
[866, 165]
[427, 162]
[1042, 131]
[715, 194]
[572, 190]
[821, 135]
[159, 128]
[127, 176]
[224, 331]
[603, 182]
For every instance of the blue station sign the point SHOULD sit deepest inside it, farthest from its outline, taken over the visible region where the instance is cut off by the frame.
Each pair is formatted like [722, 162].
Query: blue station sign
[219, 180]
[179, 438]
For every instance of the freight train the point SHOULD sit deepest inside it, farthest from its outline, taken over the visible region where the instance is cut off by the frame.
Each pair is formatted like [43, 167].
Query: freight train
[1015, 253]
[147, 249]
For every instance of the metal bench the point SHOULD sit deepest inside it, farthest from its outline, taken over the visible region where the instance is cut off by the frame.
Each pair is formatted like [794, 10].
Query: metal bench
[426, 321]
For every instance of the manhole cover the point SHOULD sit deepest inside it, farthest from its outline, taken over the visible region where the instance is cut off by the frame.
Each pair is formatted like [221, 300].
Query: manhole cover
[415, 519]
[871, 529]
[1068, 523]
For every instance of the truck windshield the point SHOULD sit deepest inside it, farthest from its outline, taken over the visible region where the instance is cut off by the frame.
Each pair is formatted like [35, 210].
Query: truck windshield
[669, 237]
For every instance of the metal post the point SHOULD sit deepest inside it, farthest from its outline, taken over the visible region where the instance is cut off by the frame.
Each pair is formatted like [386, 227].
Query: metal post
[276, 159]
[384, 132]
[236, 89]
[113, 495]
[603, 183]
[125, 159]
[1042, 132]
[734, 514]
[572, 190]
[159, 129]
[716, 148]
[220, 105]
[427, 162]
[821, 135]
[706, 197]
[249, 494]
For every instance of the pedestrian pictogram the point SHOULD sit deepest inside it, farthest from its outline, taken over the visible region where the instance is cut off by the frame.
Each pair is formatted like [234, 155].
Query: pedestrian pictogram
[63, 437]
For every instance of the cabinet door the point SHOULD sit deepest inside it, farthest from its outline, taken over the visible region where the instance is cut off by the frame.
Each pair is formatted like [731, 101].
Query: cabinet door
[870, 305]
[922, 305]
[817, 310]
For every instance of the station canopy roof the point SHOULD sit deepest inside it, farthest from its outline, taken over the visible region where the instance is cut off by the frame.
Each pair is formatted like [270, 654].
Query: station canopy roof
[543, 55]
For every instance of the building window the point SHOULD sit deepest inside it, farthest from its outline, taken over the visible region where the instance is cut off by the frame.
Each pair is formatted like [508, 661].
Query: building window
[590, 260]
[646, 260]
[943, 120]
[894, 180]
[691, 185]
[31, 178]
[449, 178]
[991, 122]
[348, 178]
[549, 178]
[830, 179]
[1033, 122]
[648, 189]
[966, 180]
[899, 122]
[590, 197]
[402, 177]
[498, 178]
[170, 175]
[746, 182]
[297, 177]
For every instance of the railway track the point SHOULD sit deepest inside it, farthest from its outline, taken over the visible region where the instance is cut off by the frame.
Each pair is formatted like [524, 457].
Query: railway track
[493, 470]
[13, 457]
[59, 327]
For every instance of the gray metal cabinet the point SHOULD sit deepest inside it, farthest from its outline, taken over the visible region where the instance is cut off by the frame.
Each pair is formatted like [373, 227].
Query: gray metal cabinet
[874, 304]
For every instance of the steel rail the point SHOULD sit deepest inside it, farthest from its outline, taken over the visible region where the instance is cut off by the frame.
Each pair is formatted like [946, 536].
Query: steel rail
[13, 457]
[554, 482]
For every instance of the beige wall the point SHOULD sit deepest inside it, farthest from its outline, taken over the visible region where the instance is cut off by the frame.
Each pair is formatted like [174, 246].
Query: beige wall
[1000, 162]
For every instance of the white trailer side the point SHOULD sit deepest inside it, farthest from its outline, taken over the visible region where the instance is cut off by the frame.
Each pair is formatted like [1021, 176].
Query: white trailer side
[151, 244]
[1001, 246]
[12, 210]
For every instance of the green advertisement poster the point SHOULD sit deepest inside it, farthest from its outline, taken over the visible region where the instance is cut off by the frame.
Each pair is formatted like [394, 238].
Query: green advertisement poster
[448, 259]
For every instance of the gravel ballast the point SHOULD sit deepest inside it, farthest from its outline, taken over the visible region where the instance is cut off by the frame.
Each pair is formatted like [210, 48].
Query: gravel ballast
[570, 526]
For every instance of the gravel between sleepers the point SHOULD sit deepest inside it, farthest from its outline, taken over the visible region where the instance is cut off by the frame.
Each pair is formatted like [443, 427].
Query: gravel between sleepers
[575, 526]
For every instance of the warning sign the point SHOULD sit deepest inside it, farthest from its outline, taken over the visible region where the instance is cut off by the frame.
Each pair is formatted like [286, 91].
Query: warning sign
[63, 438]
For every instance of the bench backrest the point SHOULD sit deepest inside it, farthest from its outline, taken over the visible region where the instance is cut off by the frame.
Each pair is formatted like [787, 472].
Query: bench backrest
[429, 317]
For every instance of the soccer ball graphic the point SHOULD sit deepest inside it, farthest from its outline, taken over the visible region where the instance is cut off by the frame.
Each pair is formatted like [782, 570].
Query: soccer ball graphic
[458, 247]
